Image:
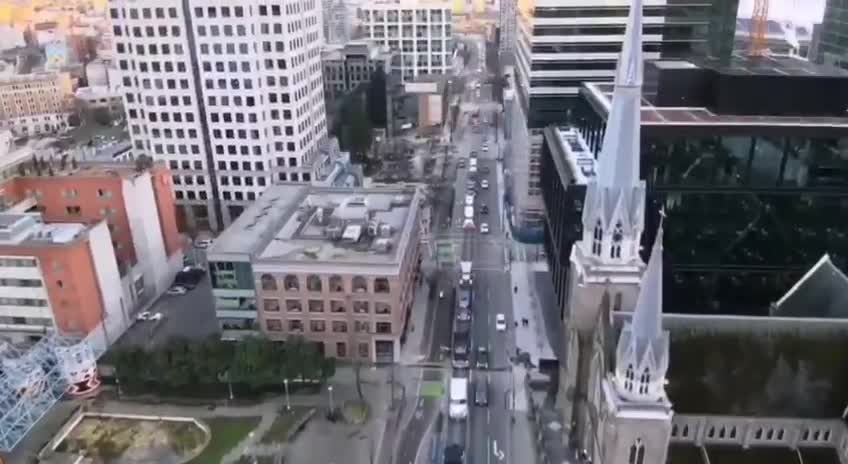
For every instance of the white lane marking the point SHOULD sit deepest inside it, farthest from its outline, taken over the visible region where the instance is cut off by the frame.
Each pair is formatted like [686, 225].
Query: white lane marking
[498, 453]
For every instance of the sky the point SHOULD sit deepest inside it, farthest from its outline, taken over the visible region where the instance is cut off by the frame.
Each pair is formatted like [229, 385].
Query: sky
[802, 12]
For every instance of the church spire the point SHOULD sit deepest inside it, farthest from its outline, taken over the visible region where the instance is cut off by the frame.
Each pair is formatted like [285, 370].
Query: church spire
[619, 157]
[643, 346]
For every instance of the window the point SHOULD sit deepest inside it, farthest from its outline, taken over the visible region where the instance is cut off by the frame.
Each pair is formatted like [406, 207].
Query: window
[360, 307]
[336, 283]
[382, 308]
[384, 327]
[637, 453]
[341, 349]
[340, 326]
[316, 306]
[271, 305]
[360, 285]
[381, 285]
[313, 283]
[360, 326]
[317, 326]
[73, 210]
[617, 237]
[628, 378]
[291, 283]
[274, 325]
[294, 306]
[644, 381]
[295, 325]
[268, 282]
[337, 306]
[363, 350]
[597, 239]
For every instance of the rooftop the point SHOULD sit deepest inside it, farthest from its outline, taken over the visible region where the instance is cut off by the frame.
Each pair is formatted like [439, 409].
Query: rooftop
[574, 151]
[305, 224]
[779, 375]
[822, 292]
[28, 229]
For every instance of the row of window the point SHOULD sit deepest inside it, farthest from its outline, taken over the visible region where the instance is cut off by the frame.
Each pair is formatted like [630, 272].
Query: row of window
[18, 262]
[315, 283]
[30, 283]
[770, 434]
[296, 325]
[32, 302]
[143, 13]
[319, 306]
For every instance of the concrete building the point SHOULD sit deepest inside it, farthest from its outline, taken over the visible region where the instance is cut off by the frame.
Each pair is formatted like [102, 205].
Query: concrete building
[432, 100]
[421, 32]
[32, 104]
[338, 22]
[506, 26]
[336, 265]
[560, 47]
[346, 66]
[136, 208]
[831, 47]
[93, 98]
[229, 126]
[56, 277]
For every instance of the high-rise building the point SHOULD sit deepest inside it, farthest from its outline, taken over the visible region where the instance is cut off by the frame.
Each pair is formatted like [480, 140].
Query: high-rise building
[560, 46]
[831, 48]
[421, 32]
[32, 104]
[348, 66]
[230, 95]
[338, 23]
[506, 23]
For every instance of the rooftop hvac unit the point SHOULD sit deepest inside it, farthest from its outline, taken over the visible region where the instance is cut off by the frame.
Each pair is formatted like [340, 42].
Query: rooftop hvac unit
[386, 230]
[319, 216]
[373, 228]
[333, 232]
[382, 245]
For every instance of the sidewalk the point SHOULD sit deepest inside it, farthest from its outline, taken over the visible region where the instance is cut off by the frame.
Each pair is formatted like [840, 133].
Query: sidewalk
[531, 339]
[420, 325]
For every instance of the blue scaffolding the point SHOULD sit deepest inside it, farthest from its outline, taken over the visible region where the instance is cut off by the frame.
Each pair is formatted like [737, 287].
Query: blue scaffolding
[31, 382]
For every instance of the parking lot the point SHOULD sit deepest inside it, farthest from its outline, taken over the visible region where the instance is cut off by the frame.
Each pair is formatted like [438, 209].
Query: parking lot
[191, 315]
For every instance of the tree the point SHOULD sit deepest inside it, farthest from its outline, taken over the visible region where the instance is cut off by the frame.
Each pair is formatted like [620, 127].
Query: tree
[143, 163]
[73, 163]
[376, 102]
[101, 116]
[354, 132]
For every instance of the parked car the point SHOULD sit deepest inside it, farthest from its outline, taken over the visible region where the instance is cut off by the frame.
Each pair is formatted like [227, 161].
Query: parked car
[484, 184]
[484, 228]
[463, 315]
[484, 209]
[203, 243]
[481, 393]
[500, 322]
[177, 290]
[148, 316]
[461, 163]
[484, 170]
[482, 357]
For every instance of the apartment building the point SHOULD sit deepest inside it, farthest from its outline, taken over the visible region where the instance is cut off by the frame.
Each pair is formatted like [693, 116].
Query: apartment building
[351, 64]
[335, 265]
[230, 95]
[33, 104]
[561, 46]
[506, 24]
[338, 22]
[421, 32]
[56, 277]
[135, 206]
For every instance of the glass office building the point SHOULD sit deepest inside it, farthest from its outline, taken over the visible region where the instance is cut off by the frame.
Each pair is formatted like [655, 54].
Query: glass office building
[755, 188]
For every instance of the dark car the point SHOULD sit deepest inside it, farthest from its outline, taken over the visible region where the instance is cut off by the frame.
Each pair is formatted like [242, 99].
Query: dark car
[484, 170]
[484, 209]
[482, 357]
[481, 393]
[461, 163]
[454, 454]
[189, 277]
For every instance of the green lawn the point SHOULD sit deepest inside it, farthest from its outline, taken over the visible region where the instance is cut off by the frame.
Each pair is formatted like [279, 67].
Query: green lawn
[282, 424]
[684, 454]
[227, 432]
[432, 389]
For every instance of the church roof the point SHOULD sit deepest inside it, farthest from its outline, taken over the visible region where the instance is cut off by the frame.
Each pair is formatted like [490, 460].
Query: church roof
[822, 293]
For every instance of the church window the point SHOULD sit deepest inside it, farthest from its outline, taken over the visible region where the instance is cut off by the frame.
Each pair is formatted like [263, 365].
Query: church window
[629, 376]
[685, 431]
[616, 306]
[597, 239]
[637, 453]
[721, 432]
[617, 237]
[733, 432]
[644, 380]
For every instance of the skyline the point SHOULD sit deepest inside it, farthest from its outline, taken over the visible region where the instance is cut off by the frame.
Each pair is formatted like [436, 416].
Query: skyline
[804, 12]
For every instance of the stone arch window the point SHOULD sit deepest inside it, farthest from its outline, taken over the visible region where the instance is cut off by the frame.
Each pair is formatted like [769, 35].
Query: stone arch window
[733, 432]
[291, 283]
[674, 430]
[722, 432]
[268, 282]
[597, 238]
[629, 376]
[685, 431]
[770, 434]
[381, 285]
[711, 432]
[313, 283]
[826, 435]
[644, 381]
[617, 238]
[360, 284]
[616, 306]
[806, 434]
[336, 283]
[780, 434]
[758, 435]
[637, 453]
[816, 435]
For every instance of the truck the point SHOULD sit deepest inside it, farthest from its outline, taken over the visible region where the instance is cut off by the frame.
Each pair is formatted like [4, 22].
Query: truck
[469, 199]
[466, 279]
[458, 409]
[469, 212]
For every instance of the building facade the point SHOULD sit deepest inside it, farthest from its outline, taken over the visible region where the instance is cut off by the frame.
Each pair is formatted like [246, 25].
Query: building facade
[227, 126]
[730, 177]
[560, 47]
[337, 266]
[338, 22]
[831, 47]
[56, 277]
[421, 33]
[506, 25]
[348, 66]
[33, 104]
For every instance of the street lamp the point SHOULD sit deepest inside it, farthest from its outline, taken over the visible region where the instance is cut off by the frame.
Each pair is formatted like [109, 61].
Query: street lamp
[330, 394]
[286, 385]
[229, 386]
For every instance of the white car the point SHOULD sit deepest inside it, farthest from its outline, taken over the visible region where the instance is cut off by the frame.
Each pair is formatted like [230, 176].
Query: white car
[156, 317]
[145, 316]
[484, 184]
[484, 228]
[500, 322]
[177, 290]
[485, 148]
[468, 224]
[203, 243]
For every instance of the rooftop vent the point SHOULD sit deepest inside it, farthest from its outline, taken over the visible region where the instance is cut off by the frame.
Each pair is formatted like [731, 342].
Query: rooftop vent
[333, 232]
[401, 200]
[386, 230]
[382, 245]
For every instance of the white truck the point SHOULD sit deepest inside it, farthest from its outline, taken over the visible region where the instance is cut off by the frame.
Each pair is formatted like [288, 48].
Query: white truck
[469, 199]
[465, 278]
[458, 409]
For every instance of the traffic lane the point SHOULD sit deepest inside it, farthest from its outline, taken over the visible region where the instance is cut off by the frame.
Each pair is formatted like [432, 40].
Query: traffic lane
[412, 438]
[500, 416]
[480, 418]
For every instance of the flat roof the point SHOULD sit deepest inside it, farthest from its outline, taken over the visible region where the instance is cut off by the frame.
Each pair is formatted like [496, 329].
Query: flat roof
[601, 93]
[772, 65]
[821, 293]
[346, 226]
[765, 375]
[574, 151]
[297, 224]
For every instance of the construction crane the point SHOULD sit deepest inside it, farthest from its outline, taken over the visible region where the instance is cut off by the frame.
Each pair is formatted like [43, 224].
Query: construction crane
[759, 26]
